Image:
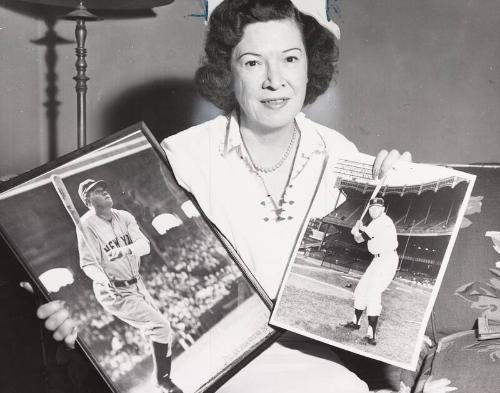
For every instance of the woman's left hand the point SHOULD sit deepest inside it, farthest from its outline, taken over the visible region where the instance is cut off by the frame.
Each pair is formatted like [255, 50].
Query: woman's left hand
[385, 161]
[441, 385]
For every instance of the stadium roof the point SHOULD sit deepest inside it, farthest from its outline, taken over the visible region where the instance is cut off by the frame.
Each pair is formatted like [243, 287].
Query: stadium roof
[404, 178]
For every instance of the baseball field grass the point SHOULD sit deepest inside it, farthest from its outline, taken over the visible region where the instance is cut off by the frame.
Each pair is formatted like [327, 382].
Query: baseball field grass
[317, 300]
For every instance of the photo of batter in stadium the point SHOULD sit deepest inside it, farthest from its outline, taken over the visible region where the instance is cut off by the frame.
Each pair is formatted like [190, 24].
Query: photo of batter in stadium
[162, 304]
[365, 275]
[381, 238]
[110, 247]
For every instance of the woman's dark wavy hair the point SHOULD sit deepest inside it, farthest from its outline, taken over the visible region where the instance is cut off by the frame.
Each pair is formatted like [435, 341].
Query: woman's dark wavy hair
[227, 22]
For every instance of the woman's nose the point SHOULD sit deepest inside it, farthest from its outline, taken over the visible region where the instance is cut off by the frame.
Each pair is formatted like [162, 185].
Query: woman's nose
[274, 77]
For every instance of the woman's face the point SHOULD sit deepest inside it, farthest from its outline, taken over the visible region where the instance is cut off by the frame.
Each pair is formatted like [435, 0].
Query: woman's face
[269, 67]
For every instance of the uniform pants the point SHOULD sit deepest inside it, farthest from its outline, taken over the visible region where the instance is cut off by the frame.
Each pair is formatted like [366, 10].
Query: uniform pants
[134, 305]
[376, 279]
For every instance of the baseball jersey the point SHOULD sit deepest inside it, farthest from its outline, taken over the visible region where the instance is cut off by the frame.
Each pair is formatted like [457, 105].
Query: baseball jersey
[383, 236]
[105, 235]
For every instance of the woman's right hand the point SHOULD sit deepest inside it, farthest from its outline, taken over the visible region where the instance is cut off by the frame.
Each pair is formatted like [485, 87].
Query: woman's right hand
[57, 319]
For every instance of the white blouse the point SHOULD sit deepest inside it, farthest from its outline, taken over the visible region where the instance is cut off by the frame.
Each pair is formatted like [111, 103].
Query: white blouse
[210, 161]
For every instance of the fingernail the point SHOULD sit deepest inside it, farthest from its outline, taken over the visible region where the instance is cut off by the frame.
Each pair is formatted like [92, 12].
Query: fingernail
[61, 303]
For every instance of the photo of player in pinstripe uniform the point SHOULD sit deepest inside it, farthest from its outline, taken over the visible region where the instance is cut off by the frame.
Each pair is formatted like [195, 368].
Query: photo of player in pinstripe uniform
[112, 261]
[381, 237]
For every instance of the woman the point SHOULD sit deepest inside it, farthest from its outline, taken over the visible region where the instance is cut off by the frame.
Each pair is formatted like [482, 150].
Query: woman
[254, 171]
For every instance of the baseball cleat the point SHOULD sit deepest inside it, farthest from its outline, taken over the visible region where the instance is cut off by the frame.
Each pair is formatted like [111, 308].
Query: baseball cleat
[168, 386]
[351, 325]
[370, 340]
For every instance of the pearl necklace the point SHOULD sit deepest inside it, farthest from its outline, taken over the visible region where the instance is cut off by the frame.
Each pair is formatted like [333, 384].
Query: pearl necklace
[272, 168]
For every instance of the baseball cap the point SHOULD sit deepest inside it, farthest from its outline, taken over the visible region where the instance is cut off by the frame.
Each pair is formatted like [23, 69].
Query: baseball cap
[88, 185]
[377, 202]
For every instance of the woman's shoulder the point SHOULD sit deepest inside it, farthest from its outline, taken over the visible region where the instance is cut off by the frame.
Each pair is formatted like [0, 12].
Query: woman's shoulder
[196, 138]
[332, 138]
[190, 153]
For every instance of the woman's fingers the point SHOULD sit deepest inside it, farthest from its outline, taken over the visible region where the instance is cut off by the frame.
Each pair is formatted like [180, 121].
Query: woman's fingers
[47, 309]
[26, 285]
[428, 341]
[56, 319]
[378, 163]
[406, 156]
[70, 339]
[438, 386]
[385, 161]
[388, 162]
[67, 331]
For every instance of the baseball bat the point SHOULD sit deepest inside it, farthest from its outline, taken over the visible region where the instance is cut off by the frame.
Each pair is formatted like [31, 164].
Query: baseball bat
[375, 192]
[63, 193]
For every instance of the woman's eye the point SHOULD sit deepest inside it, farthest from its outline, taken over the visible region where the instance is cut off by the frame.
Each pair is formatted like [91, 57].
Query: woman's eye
[291, 59]
[251, 63]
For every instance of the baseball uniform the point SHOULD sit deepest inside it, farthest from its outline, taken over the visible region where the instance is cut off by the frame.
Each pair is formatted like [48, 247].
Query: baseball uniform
[131, 303]
[382, 244]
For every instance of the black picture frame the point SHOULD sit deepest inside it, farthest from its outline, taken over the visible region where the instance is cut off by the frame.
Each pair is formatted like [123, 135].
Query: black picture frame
[38, 229]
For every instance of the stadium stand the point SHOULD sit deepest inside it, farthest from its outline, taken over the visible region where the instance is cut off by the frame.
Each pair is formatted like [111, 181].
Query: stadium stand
[424, 215]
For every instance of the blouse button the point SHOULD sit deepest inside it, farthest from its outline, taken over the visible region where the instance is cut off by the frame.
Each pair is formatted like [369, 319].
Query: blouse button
[266, 219]
[291, 202]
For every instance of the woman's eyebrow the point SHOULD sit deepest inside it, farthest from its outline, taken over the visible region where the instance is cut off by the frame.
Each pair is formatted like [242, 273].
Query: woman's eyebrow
[248, 53]
[258, 55]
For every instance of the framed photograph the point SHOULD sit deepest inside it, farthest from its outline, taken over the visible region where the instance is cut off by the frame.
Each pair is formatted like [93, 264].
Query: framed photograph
[162, 300]
[364, 277]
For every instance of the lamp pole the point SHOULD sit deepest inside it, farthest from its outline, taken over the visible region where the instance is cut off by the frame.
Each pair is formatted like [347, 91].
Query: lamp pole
[81, 15]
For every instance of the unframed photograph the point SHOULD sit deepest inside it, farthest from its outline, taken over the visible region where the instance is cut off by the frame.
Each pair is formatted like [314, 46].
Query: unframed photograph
[365, 276]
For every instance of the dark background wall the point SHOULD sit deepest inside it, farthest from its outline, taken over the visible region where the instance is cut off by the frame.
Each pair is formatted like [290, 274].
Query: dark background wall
[418, 75]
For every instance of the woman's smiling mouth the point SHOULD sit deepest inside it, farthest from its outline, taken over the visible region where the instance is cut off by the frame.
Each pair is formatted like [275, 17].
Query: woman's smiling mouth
[275, 103]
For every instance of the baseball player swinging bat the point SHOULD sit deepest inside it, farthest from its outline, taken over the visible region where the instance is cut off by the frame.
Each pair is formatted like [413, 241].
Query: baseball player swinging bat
[110, 241]
[63, 193]
[381, 237]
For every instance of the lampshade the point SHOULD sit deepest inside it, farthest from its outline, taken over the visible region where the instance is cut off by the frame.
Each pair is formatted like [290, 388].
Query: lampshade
[104, 4]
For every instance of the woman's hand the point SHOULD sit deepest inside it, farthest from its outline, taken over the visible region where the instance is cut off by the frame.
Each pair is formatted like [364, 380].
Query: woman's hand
[441, 385]
[57, 319]
[385, 161]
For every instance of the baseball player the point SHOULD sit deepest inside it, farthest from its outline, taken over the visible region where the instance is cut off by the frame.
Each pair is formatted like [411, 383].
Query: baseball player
[381, 236]
[110, 256]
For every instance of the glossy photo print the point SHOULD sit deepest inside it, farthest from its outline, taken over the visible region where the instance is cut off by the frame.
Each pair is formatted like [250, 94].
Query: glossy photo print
[365, 275]
[162, 301]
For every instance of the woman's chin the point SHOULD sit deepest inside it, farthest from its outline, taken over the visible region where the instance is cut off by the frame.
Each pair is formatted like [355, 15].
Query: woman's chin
[278, 119]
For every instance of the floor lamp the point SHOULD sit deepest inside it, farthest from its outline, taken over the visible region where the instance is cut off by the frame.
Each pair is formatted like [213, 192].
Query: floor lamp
[81, 15]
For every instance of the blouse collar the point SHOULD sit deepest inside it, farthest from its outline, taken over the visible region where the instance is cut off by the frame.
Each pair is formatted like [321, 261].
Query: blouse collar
[311, 141]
